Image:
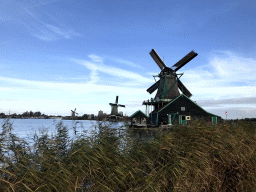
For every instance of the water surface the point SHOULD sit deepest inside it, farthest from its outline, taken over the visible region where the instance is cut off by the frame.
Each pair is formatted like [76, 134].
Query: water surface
[26, 128]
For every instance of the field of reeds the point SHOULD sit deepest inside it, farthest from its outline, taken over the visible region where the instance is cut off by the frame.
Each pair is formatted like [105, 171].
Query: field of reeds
[198, 157]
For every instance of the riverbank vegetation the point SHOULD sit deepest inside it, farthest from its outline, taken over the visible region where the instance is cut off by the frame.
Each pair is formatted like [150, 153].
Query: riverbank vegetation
[198, 157]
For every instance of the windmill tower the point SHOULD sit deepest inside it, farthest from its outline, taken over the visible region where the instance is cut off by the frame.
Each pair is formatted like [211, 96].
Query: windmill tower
[114, 107]
[73, 113]
[169, 84]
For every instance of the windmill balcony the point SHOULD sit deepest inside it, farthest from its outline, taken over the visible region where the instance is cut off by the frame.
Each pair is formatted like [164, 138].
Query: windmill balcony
[154, 101]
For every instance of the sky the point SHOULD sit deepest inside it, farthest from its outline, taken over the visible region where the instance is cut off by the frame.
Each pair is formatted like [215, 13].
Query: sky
[58, 55]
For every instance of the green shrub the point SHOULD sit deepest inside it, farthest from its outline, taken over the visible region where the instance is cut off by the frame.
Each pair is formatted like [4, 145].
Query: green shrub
[198, 157]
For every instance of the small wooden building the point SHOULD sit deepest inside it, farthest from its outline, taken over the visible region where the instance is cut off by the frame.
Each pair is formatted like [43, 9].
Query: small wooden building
[139, 119]
[181, 110]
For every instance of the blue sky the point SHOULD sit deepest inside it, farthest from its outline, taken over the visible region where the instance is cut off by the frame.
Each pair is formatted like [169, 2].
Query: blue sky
[57, 55]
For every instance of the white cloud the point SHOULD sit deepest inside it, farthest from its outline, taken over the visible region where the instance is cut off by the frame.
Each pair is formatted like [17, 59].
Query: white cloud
[56, 86]
[94, 75]
[78, 78]
[234, 68]
[27, 11]
[152, 73]
[47, 32]
[66, 33]
[113, 71]
[96, 58]
[22, 13]
[45, 35]
[234, 101]
[2, 89]
[209, 84]
[129, 63]
[59, 98]
[225, 69]
[32, 3]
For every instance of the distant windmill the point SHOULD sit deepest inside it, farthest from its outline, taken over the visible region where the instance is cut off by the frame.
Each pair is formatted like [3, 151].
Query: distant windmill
[73, 113]
[114, 106]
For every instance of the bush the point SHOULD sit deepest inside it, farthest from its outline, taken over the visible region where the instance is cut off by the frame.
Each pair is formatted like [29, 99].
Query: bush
[198, 157]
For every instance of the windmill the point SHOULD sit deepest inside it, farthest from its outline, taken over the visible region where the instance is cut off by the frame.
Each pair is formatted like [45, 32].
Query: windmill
[169, 84]
[169, 106]
[114, 107]
[73, 113]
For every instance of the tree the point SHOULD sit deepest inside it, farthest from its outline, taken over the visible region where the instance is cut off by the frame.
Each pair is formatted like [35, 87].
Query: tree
[37, 114]
[31, 114]
[13, 115]
[2, 115]
[85, 117]
[25, 114]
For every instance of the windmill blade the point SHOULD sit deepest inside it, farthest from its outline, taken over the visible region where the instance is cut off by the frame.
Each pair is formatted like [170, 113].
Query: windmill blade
[116, 99]
[191, 55]
[153, 87]
[112, 104]
[121, 105]
[157, 59]
[183, 88]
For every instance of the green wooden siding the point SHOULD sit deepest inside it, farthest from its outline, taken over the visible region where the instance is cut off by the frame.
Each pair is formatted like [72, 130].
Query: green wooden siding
[182, 121]
[214, 120]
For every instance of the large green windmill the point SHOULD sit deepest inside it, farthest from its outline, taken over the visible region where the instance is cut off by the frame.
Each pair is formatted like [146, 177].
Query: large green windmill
[169, 84]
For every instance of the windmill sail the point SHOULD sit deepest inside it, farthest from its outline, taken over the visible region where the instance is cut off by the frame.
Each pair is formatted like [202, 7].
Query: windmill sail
[183, 89]
[157, 59]
[153, 87]
[191, 55]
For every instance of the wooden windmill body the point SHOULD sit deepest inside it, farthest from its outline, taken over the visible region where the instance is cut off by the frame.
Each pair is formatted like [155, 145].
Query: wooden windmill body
[114, 107]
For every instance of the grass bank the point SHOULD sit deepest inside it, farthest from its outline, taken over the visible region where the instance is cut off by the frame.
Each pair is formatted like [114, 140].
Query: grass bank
[199, 157]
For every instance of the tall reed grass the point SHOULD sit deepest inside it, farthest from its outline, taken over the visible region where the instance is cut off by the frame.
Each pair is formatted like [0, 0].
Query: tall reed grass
[198, 157]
